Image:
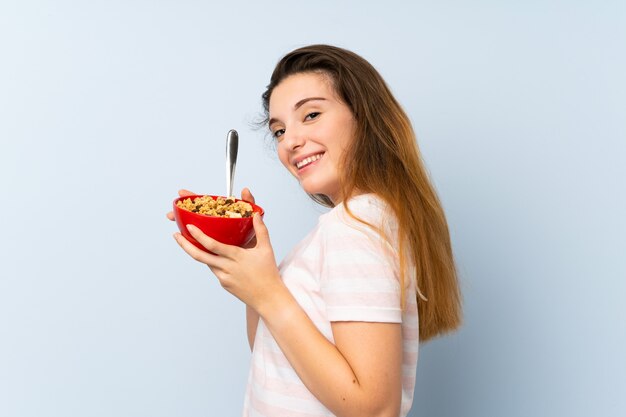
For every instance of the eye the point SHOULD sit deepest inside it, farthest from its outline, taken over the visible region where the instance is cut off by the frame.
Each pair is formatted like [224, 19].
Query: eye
[312, 116]
[278, 133]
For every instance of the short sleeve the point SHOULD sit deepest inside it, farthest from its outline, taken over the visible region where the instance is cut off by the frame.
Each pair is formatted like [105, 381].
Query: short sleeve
[359, 280]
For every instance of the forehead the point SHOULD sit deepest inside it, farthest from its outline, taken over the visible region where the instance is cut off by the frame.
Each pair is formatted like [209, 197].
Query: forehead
[297, 87]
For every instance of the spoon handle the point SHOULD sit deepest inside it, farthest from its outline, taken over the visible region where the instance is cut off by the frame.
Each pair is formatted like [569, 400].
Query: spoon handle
[232, 144]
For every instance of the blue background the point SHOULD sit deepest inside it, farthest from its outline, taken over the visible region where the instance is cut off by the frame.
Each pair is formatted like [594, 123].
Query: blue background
[107, 108]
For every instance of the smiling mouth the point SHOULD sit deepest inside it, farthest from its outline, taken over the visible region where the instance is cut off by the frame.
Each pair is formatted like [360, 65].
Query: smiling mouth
[308, 161]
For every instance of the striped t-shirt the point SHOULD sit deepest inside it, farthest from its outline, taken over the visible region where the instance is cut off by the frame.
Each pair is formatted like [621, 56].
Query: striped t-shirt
[341, 271]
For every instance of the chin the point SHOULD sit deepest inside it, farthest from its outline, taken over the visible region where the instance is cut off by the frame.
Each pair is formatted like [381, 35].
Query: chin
[315, 190]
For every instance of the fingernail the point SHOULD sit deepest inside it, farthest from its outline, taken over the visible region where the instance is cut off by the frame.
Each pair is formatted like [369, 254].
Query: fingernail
[190, 227]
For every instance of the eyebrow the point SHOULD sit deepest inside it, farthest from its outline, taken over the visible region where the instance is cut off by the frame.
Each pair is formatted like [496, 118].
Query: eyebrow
[297, 106]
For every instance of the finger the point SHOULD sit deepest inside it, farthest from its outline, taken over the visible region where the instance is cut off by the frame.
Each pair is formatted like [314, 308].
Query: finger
[185, 193]
[260, 230]
[210, 243]
[247, 195]
[170, 215]
[213, 261]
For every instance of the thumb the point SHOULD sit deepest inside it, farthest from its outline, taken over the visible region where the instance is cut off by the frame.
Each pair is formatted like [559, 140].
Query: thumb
[262, 234]
[246, 195]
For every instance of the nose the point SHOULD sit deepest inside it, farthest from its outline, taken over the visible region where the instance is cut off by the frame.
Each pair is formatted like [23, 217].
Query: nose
[294, 139]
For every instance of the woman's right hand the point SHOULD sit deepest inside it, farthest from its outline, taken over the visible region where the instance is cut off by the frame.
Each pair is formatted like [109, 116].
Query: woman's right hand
[252, 317]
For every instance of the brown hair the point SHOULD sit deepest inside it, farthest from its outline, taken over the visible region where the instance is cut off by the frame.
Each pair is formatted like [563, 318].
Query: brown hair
[384, 159]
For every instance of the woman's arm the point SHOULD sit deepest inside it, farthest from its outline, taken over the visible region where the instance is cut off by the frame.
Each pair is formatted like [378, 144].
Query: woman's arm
[360, 375]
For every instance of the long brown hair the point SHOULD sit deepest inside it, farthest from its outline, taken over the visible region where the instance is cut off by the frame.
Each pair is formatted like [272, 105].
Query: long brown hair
[384, 159]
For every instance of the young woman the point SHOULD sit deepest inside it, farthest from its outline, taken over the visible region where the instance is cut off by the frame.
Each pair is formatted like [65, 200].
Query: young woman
[334, 330]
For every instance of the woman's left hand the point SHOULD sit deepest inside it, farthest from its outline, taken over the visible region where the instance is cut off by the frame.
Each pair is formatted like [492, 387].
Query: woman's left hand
[249, 274]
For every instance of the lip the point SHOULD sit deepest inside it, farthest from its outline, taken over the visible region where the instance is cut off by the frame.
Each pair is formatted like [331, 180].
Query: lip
[295, 161]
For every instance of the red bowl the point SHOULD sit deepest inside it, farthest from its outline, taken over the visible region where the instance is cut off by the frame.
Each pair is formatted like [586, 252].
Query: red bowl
[232, 231]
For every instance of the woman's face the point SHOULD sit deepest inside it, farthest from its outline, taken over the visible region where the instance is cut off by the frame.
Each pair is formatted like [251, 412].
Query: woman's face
[313, 128]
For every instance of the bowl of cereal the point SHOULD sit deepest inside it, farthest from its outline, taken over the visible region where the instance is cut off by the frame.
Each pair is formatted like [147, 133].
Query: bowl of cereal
[225, 219]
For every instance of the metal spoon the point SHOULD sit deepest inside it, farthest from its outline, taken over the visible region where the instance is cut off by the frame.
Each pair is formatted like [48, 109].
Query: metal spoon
[232, 144]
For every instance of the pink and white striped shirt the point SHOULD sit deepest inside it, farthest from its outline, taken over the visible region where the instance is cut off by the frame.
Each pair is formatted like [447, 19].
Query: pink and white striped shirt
[341, 271]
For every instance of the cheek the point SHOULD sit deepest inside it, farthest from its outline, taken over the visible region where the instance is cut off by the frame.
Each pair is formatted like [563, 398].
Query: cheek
[284, 159]
[342, 144]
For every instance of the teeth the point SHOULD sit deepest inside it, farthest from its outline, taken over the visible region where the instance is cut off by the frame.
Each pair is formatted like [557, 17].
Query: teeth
[308, 160]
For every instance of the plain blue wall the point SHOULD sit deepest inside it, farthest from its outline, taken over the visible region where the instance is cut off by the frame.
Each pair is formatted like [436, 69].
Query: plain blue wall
[108, 107]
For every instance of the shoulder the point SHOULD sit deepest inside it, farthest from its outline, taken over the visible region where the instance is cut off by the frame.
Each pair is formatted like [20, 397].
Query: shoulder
[368, 207]
[362, 214]
[364, 224]
[359, 272]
